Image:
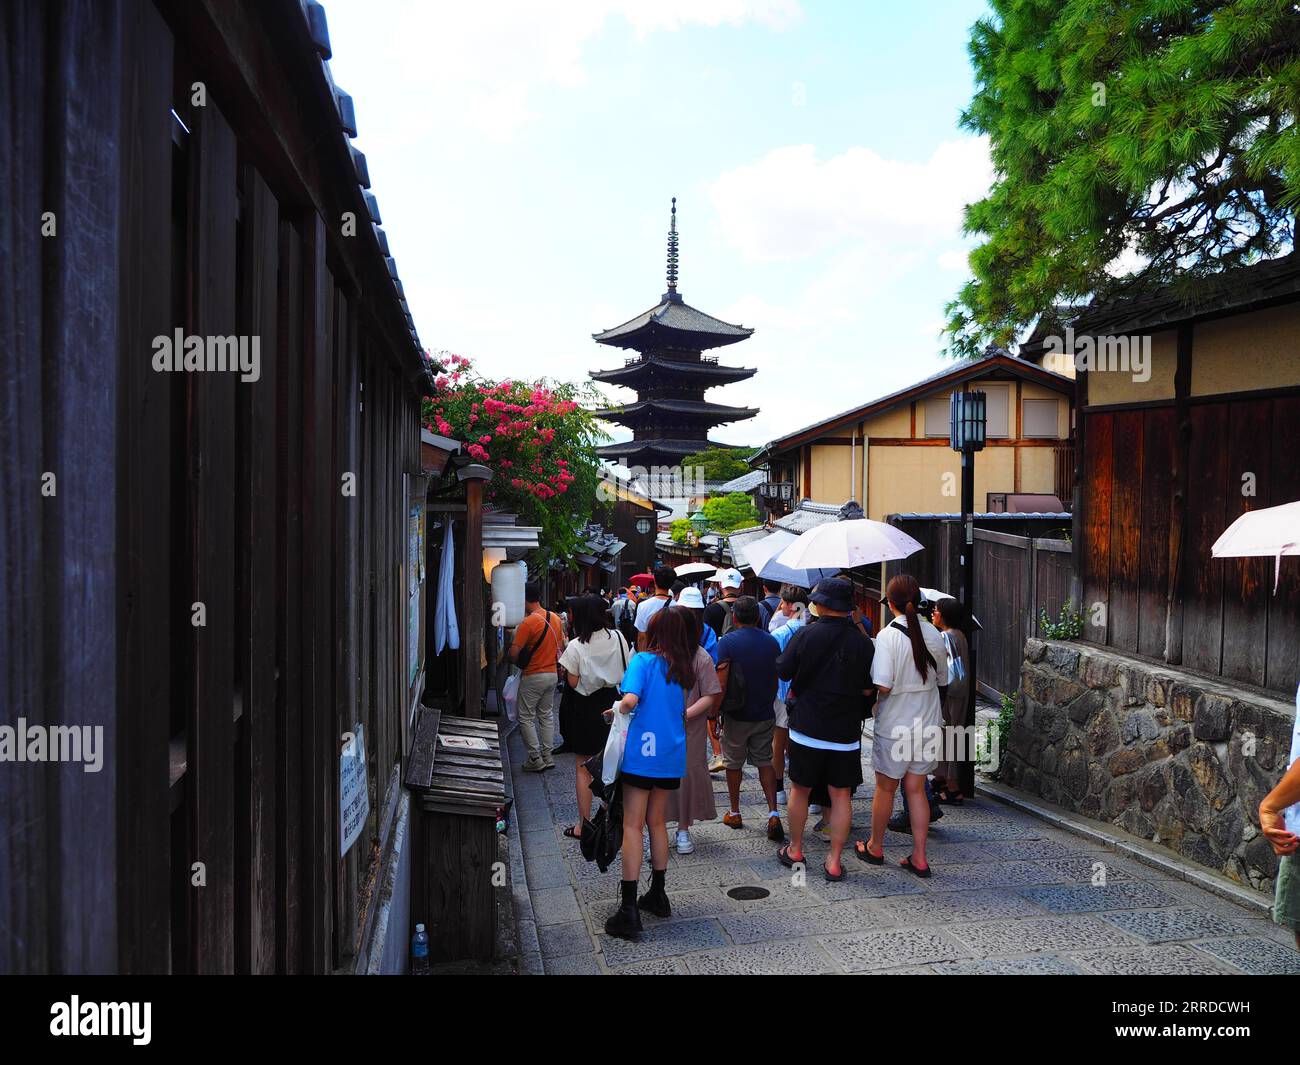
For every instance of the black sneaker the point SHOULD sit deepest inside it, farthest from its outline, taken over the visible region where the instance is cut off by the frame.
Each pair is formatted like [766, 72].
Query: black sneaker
[900, 822]
[655, 902]
[625, 922]
[936, 811]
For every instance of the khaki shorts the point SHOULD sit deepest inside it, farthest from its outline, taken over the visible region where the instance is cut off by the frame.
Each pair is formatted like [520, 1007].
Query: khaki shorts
[1286, 901]
[746, 741]
[782, 715]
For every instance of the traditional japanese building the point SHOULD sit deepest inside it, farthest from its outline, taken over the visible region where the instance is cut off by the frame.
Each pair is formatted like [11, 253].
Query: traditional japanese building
[670, 417]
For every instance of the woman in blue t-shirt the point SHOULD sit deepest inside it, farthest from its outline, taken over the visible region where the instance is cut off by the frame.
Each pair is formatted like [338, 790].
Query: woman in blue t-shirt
[654, 762]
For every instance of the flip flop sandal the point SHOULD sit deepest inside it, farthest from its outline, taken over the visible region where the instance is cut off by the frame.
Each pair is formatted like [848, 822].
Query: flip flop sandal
[570, 834]
[864, 855]
[906, 863]
[833, 878]
[783, 856]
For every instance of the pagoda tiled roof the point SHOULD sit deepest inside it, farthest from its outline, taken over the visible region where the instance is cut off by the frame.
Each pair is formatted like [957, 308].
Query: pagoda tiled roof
[639, 367]
[720, 411]
[675, 447]
[673, 318]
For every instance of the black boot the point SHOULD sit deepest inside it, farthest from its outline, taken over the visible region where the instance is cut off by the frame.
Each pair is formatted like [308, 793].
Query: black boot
[900, 822]
[625, 922]
[655, 900]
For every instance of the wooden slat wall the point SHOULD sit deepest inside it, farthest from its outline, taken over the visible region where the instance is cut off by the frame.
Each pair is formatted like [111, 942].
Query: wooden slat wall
[149, 625]
[211, 534]
[256, 793]
[1231, 622]
[183, 488]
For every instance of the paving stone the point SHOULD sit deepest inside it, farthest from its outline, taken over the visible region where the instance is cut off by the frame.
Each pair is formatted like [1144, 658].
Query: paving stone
[1038, 933]
[555, 906]
[1083, 868]
[531, 964]
[1190, 893]
[797, 957]
[983, 830]
[558, 940]
[1175, 960]
[1086, 899]
[573, 965]
[980, 905]
[988, 874]
[815, 921]
[1021, 849]
[1256, 956]
[1179, 922]
[546, 871]
[661, 939]
[882, 950]
[654, 967]
[540, 841]
[1028, 965]
[872, 882]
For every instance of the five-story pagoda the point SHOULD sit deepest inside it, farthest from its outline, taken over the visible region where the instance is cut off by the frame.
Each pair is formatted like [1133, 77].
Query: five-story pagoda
[670, 418]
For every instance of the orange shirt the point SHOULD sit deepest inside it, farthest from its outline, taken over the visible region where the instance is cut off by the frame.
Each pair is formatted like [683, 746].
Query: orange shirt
[548, 651]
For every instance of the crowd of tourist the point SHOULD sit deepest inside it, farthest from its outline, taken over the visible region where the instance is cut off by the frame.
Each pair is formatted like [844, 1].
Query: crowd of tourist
[713, 680]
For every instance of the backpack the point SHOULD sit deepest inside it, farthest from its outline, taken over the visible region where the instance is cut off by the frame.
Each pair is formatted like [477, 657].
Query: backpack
[766, 609]
[728, 622]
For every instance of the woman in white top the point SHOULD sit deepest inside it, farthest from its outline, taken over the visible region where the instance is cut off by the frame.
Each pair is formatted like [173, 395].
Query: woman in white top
[910, 672]
[594, 663]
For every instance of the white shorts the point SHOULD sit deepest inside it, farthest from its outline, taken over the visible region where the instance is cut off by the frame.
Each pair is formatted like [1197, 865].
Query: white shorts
[895, 756]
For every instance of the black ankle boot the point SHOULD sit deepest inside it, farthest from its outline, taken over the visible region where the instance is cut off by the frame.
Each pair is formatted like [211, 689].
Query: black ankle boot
[655, 900]
[625, 922]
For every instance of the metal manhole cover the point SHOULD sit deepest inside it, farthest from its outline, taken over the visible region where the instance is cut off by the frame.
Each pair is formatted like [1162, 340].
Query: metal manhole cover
[748, 894]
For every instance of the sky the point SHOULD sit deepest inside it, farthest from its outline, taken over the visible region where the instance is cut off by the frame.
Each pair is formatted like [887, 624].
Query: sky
[524, 155]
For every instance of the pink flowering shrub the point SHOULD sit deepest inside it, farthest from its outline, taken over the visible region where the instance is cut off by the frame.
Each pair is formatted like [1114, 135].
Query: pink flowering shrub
[538, 439]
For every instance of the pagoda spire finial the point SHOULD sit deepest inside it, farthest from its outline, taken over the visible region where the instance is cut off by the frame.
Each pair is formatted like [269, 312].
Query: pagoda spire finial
[672, 252]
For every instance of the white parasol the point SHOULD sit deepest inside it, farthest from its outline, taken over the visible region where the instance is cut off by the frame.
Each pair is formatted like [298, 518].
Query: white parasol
[845, 544]
[1272, 532]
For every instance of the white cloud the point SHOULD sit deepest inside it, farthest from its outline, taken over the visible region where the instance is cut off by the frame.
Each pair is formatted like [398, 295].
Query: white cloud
[477, 66]
[790, 204]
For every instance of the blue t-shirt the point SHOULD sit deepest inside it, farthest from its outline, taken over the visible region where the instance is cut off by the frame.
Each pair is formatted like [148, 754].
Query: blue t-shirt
[783, 636]
[754, 651]
[656, 735]
[709, 641]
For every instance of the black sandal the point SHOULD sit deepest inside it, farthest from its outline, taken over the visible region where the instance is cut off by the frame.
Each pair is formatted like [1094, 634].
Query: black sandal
[783, 856]
[864, 855]
[833, 878]
[906, 863]
[570, 834]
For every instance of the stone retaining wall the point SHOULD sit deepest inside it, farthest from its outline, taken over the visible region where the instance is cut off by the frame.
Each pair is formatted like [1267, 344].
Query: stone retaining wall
[1164, 754]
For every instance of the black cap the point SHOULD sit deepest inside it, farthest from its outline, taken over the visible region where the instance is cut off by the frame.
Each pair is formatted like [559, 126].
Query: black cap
[833, 593]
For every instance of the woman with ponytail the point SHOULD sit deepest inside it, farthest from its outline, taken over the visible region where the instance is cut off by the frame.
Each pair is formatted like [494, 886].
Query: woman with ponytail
[910, 672]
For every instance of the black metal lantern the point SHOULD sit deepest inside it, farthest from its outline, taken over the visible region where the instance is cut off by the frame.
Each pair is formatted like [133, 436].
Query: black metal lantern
[968, 421]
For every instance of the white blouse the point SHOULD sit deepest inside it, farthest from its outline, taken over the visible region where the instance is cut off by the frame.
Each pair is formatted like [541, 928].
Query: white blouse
[597, 664]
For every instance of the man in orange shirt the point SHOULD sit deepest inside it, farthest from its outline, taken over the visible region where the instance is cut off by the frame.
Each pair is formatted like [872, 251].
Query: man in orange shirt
[538, 643]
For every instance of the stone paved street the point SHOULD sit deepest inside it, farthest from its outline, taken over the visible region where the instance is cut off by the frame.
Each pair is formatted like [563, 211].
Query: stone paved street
[1010, 894]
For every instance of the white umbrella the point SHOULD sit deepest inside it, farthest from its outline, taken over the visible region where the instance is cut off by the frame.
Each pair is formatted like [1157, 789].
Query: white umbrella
[1273, 532]
[761, 557]
[692, 569]
[845, 544]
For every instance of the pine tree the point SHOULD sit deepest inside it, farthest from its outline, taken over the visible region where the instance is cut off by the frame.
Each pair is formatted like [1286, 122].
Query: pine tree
[1136, 143]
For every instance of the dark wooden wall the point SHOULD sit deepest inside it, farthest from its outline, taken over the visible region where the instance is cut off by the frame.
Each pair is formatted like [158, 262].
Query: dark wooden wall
[175, 489]
[1223, 617]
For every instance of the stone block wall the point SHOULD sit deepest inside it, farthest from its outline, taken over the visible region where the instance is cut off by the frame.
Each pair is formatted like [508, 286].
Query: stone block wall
[1164, 754]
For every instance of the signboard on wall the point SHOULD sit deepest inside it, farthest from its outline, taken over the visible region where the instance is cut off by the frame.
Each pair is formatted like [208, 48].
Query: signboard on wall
[354, 795]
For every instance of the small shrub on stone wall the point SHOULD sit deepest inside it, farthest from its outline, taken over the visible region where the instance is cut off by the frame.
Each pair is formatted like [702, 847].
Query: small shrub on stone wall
[1068, 626]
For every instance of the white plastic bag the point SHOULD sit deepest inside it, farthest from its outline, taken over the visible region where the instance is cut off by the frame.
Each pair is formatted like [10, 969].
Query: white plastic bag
[612, 761]
[510, 696]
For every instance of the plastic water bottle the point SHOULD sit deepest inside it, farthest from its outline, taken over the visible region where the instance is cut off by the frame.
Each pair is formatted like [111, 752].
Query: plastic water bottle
[420, 952]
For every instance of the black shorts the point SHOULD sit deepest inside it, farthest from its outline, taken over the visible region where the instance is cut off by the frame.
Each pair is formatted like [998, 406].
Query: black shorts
[650, 783]
[812, 767]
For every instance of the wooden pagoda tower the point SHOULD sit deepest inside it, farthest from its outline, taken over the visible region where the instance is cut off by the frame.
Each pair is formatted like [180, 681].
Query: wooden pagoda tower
[670, 418]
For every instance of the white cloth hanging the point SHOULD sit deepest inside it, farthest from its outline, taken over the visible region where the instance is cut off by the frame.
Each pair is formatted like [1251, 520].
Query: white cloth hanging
[446, 629]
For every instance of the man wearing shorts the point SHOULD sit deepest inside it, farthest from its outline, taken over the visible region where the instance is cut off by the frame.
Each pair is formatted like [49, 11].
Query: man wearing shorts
[828, 665]
[747, 673]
